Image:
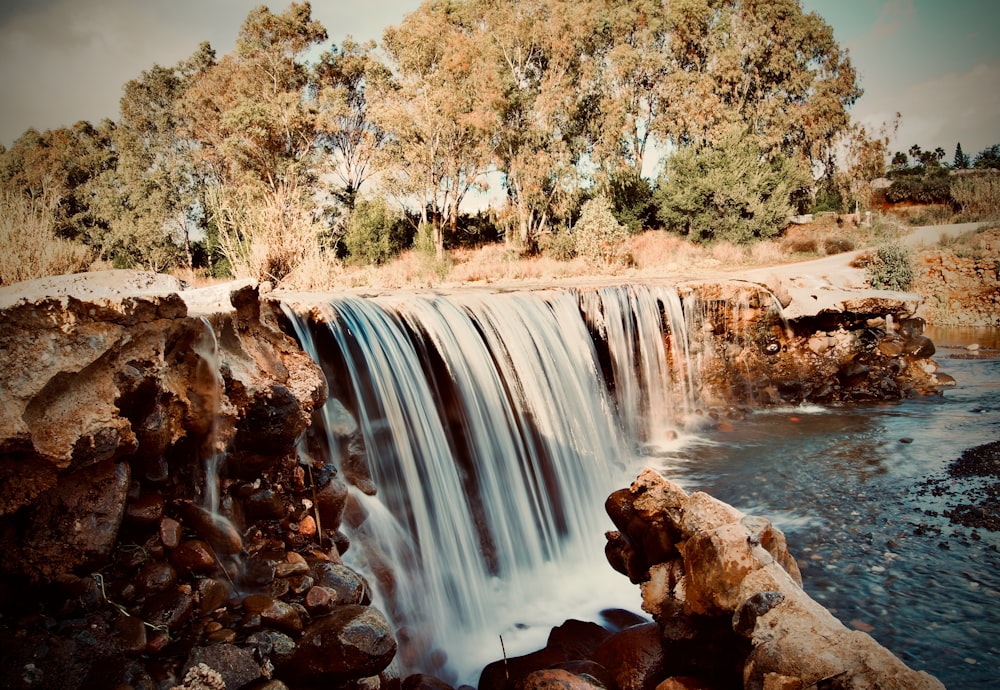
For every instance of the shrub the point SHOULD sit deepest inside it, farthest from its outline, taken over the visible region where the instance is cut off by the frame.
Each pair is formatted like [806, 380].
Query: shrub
[837, 245]
[890, 268]
[930, 189]
[374, 233]
[728, 192]
[559, 245]
[600, 238]
[978, 195]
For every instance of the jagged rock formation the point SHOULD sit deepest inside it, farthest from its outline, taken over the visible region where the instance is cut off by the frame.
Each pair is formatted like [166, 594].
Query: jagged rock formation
[963, 289]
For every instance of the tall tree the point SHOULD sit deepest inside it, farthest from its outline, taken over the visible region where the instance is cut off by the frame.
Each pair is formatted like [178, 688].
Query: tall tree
[354, 142]
[438, 111]
[961, 161]
[150, 199]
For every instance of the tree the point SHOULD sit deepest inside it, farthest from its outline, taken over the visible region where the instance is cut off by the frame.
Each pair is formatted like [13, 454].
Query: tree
[728, 191]
[764, 65]
[257, 127]
[348, 135]
[988, 158]
[149, 201]
[961, 161]
[438, 111]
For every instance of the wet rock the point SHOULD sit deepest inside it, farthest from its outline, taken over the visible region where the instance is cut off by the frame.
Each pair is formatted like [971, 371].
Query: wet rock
[260, 609]
[146, 508]
[169, 610]
[192, 557]
[919, 347]
[170, 532]
[265, 504]
[131, 632]
[890, 348]
[331, 501]
[558, 679]
[273, 645]
[236, 666]
[349, 586]
[422, 681]
[756, 606]
[214, 529]
[853, 373]
[212, 593]
[320, 600]
[155, 577]
[633, 657]
[75, 525]
[352, 642]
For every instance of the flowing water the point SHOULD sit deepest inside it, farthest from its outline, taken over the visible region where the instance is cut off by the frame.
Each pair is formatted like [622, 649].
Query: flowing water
[495, 425]
[847, 486]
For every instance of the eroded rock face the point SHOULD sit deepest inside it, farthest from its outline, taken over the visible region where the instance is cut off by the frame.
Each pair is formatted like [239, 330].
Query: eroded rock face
[737, 569]
[849, 349]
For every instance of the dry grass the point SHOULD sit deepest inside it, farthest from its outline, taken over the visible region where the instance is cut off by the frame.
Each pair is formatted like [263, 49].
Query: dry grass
[29, 247]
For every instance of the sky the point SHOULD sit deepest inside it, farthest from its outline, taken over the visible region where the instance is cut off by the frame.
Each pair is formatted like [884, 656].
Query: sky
[935, 62]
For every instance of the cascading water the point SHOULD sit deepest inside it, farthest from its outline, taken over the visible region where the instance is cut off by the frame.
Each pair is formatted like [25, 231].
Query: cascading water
[493, 438]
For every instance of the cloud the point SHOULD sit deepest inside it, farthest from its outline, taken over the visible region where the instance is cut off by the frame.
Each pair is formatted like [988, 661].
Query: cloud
[896, 17]
[958, 107]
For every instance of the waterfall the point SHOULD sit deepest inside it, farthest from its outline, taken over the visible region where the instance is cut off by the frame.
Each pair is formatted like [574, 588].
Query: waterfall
[494, 428]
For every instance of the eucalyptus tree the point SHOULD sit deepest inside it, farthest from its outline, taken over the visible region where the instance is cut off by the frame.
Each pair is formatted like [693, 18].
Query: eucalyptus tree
[257, 128]
[352, 140]
[761, 63]
[149, 200]
[438, 111]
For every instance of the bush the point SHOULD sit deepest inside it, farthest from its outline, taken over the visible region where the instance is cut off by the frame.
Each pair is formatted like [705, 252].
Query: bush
[729, 192]
[559, 245]
[890, 268]
[978, 195]
[374, 233]
[931, 189]
[599, 236]
[632, 200]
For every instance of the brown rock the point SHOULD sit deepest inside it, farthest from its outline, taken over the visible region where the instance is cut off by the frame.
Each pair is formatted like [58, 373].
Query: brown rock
[349, 586]
[633, 657]
[170, 532]
[558, 679]
[146, 508]
[352, 642]
[193, 556]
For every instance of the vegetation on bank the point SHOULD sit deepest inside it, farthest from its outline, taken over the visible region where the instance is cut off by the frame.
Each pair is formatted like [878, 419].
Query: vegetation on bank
[358, 164]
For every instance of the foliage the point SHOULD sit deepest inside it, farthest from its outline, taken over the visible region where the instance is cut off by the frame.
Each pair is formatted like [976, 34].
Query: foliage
[978, 195]
[961, 160]
[559, 245]
[927, 189]
[29, 246]
[988, 158]
[729, 192]
[890, 268]
[599, 237]
[632, 200]
[374, 233]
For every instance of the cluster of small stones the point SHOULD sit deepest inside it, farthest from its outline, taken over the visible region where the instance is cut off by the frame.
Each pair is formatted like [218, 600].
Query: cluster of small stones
[728, 612]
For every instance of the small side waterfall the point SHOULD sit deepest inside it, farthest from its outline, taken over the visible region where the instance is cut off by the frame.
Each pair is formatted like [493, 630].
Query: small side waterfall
[494, 427]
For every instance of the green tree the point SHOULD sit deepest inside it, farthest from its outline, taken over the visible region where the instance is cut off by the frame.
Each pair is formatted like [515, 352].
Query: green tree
[988, 158]
[150, 200]
[375, 234]
[598, 236]
[729, 191]
[961, 160]
[257, 127]
[437, 112]
[353, 142]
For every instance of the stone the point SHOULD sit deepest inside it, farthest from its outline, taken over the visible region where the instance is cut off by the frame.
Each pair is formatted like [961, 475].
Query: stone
[422, 681]
[146, 508]
[72, 526]
[634, 657]
[155, 577]
[170, 609]
[558, 679]
[235, 665]
[350, 587]
[919, 347]
[272, 613]
[170, 532]
[193, 556]
[219, 532]
[352, 642]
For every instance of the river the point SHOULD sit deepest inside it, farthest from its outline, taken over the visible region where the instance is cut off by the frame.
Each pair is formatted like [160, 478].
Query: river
[861, 493]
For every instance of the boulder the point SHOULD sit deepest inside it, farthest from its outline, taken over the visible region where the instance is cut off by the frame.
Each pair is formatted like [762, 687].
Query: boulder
[351, 643]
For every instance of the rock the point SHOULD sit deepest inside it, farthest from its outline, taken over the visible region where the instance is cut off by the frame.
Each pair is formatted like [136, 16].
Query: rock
[274, 645]
[193, 556]
[72, 526]
[170, 610]
[558, 679]
[350, 587]
[919, 347]
[352, 642]
[272, 613]
[234, 665]
[213, 528]
[155, 577]
[212, 593]
[633, 657]
[146, 508]
[422, 681]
